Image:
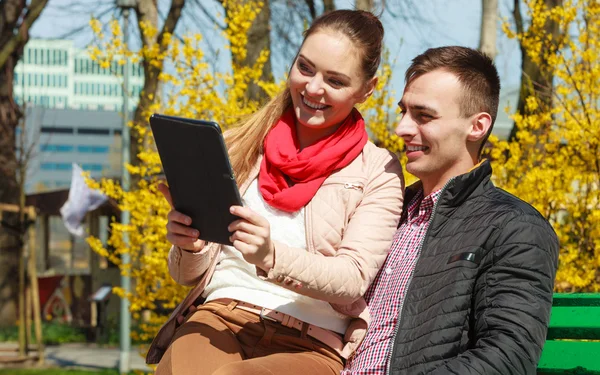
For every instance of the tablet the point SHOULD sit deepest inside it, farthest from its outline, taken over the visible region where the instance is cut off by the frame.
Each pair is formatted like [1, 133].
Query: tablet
[199, 174]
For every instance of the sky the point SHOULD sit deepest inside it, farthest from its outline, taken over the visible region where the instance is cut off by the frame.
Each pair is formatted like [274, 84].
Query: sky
[430, 23]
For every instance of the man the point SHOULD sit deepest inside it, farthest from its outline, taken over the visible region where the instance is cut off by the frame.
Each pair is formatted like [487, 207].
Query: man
[467, 286]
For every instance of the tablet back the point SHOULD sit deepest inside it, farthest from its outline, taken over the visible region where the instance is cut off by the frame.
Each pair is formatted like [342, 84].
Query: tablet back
[199, 174]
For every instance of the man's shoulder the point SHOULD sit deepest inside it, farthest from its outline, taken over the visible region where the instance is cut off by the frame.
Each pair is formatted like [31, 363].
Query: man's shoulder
[514, 214]
[509, 205]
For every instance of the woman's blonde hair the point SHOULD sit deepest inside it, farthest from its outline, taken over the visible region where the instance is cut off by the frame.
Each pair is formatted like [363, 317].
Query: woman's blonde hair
[245, 141]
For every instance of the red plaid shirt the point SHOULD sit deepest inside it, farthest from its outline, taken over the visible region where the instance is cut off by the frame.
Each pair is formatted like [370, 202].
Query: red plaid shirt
[388, 290]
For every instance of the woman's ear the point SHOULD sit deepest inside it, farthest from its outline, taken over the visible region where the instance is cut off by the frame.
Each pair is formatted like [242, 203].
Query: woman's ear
[480, 125]
[369, 88]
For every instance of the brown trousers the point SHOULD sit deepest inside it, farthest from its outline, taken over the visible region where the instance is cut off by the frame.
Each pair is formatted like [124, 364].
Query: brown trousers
[219, 339]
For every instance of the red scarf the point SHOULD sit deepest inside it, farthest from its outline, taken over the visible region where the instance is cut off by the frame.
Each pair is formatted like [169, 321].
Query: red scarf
[308, 168]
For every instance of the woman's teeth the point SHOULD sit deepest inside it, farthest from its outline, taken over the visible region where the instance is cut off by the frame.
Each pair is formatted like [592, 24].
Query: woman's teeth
[313, 105]
[416, 148]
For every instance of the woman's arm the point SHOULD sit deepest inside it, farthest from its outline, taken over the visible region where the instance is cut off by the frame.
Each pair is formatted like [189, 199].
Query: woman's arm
[345, 277]
[187, 268]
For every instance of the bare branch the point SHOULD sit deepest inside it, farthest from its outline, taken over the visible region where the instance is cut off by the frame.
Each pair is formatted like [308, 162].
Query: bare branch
[171, 21]
[22, 36]
[208, 15]
[69, 34]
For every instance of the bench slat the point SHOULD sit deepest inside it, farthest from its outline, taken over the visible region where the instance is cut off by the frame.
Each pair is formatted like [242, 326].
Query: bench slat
[582, 357]
[576, 299]
[574, 323]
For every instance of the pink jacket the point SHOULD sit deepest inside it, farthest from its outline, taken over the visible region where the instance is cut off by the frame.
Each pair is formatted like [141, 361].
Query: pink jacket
[350, 223]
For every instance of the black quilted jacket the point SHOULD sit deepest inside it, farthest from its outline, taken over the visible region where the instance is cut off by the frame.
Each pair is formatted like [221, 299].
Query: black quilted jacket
[479, 300]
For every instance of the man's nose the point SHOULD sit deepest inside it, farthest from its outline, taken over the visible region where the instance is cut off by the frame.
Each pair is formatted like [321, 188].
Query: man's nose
[406, 127]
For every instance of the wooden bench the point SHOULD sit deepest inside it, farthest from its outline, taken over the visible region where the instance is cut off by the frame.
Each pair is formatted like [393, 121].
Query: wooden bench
[575, 317]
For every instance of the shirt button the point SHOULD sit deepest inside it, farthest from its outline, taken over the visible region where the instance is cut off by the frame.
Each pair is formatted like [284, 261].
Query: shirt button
[388, 270]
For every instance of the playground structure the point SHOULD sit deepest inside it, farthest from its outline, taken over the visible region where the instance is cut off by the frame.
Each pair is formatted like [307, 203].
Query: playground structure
[64, 275]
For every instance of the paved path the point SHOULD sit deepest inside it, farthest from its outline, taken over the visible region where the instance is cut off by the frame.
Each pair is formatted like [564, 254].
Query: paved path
[87, 356]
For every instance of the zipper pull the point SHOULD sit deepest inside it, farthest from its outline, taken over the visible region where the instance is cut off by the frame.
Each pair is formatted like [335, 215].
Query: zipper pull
[351, 185]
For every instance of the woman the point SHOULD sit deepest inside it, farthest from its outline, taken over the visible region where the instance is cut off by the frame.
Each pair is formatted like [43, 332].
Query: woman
[321, 205]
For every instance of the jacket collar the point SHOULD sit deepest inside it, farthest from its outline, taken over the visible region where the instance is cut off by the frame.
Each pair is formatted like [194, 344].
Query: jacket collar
[459, 188]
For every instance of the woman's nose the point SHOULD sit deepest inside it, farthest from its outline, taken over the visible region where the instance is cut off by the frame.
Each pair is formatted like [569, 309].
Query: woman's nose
[315, 85]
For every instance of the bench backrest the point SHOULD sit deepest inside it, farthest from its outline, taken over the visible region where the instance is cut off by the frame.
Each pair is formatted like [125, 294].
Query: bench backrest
[575, 320]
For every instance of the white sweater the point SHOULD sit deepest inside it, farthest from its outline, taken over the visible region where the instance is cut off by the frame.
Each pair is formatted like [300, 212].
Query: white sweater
[235, 278]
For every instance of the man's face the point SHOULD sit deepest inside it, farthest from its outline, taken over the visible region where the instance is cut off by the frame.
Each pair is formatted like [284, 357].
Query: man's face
[434, 131]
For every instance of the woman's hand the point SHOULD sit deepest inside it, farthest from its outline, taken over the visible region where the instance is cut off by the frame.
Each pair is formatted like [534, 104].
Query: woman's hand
[179, 232]
[251, 236]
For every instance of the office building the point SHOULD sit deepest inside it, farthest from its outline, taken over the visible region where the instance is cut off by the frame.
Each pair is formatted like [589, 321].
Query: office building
[60, 137]
[55, 74]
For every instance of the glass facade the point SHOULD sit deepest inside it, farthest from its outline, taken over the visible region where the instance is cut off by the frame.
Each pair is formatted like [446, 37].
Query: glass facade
[52, 74]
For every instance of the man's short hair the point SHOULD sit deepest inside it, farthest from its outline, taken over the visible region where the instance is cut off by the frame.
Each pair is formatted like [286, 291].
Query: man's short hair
[475, 71]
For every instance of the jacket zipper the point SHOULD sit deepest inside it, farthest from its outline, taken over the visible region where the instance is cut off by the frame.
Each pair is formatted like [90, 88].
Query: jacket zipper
[391, 346]
[353, 185]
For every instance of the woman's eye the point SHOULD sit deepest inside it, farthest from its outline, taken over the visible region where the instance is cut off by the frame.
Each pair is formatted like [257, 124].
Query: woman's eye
[335, 82]
[303, 67]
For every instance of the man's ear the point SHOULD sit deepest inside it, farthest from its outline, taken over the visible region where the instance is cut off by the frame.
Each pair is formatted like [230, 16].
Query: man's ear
[369, 88]
[480, 125]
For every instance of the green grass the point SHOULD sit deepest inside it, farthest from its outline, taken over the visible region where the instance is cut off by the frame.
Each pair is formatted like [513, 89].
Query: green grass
[57, 371]
[52, 333]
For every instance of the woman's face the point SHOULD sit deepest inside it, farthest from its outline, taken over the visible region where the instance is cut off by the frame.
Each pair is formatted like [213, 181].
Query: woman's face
[326, 81]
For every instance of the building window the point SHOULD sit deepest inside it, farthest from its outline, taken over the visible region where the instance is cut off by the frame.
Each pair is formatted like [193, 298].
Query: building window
[92, 149]
[92, 167]
[56, 148]
[56, 166]
[57, 129]
[93, 131]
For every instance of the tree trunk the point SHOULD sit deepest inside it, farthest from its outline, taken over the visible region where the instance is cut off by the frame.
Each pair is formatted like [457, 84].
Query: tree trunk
[146, 10]
[259, 39]
[489, 16]
[533, 79]
[328, 6]
[368, 5]
[9, 193]
[16, 19]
